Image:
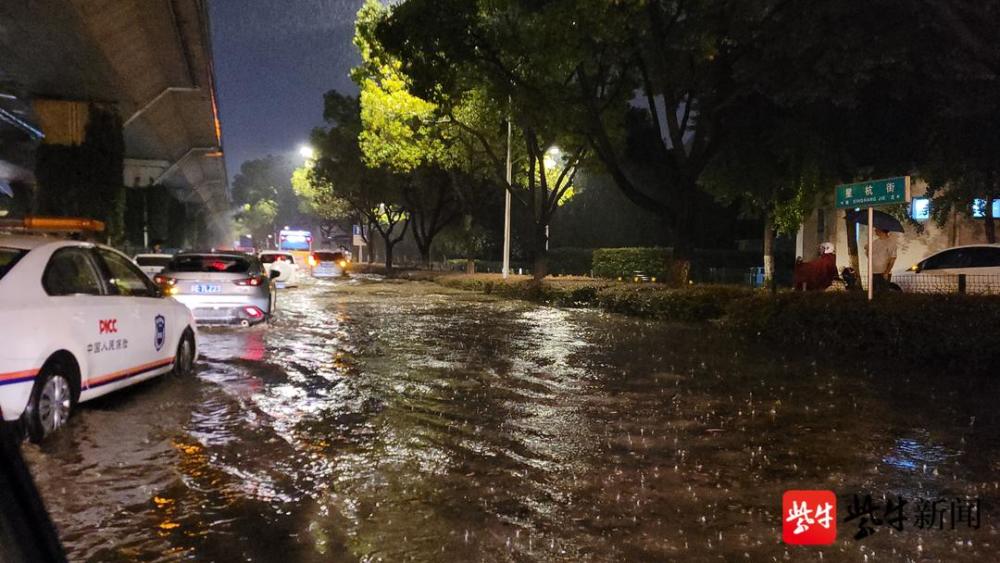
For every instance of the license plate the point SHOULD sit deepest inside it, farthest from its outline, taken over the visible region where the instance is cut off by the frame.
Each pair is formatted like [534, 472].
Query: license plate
[207, 288]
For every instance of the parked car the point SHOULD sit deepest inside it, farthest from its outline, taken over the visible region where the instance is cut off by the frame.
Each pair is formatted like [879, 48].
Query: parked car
[152, 264]
[79, 320]
[283, 263]
[970, 269]
[328, 264]
[221, 287]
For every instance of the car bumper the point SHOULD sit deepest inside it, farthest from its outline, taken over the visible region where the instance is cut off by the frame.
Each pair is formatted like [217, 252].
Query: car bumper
[328, 273]
[226, 310]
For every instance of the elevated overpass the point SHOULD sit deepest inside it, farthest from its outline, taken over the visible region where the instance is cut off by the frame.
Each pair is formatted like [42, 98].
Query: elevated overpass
[151, 60]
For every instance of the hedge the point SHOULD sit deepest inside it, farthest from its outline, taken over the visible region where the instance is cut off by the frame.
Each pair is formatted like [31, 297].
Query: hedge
[690, 304]
[694, 304]
[569, 261]
[955, 331]
[624, 262]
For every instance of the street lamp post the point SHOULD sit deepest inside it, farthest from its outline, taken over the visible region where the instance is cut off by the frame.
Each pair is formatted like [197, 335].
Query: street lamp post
[507, 202]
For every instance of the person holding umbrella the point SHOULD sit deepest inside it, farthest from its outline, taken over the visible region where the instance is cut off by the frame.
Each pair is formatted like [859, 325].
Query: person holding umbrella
[883, 258]
[883, 254]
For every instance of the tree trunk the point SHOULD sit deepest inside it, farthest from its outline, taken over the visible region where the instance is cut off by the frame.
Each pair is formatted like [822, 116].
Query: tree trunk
[388, 254]
[470, 261]
[769, 252]
[683, 249]
[989, 224]
[425, 253]
[541, 261]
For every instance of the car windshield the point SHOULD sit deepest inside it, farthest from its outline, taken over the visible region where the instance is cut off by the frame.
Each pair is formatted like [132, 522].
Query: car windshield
[9, 257]
[271, 258]
[329, 256]
[210, 263]
[160, 261]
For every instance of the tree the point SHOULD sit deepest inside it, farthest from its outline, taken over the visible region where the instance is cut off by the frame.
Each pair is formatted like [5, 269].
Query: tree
[318, 200]
[961, 74]
[269, 179]
[693, 70]
[257, 219]
[475, 97]
[403, 132]
[775, 166]
[340, 174]
[573, 65]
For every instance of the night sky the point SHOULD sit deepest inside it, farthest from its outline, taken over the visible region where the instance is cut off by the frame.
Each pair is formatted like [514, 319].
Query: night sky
[274, 60]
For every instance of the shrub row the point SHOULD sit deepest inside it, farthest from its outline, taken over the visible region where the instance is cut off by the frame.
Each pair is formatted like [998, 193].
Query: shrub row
[568, 261]
[646, 300]
[624, 262]
[955, 331]
[690, 304]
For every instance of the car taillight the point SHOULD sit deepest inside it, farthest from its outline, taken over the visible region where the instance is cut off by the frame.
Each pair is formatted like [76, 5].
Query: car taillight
[164, 280]
[312, 260]
[248, 282]
[253, 312]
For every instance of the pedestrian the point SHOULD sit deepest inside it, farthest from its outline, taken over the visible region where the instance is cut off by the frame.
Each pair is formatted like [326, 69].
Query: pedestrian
[818, 274]
[883, 256]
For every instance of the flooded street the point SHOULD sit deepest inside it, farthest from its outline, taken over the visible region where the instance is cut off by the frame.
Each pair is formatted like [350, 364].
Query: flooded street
[394, 421]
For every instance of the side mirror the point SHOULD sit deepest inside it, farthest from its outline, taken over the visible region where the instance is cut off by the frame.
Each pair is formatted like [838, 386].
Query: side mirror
[274, 274]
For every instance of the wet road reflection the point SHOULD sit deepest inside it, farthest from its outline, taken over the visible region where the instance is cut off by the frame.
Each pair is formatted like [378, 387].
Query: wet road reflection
[380, 420]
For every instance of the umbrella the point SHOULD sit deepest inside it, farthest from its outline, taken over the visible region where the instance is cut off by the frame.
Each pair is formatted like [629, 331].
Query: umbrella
[5, 189]
[883, 221]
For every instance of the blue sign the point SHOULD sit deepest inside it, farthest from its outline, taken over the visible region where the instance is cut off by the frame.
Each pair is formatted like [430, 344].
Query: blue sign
[161, 332]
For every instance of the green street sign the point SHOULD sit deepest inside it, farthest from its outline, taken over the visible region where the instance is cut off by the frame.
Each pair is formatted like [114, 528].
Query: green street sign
[874, 193]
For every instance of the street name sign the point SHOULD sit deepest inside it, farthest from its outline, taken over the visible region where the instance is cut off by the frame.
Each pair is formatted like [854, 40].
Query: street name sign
[874, 193]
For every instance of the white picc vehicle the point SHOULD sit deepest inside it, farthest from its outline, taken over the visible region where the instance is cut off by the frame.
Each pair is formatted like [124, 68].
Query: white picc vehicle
[77, 321]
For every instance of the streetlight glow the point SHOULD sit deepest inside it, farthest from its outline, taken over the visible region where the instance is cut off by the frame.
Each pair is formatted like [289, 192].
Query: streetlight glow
[307, 152]
[553, 157]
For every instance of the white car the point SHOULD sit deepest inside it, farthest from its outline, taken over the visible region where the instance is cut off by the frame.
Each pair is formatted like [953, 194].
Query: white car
[970, 269]
[283, 263]
[152, 264]
[77, 321]
[328, 264]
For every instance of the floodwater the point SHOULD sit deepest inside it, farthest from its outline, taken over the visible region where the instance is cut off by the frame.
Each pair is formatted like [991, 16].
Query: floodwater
[396, 421]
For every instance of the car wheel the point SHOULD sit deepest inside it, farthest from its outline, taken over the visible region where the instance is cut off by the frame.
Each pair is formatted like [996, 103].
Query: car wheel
[50, 404]
[184, 360]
